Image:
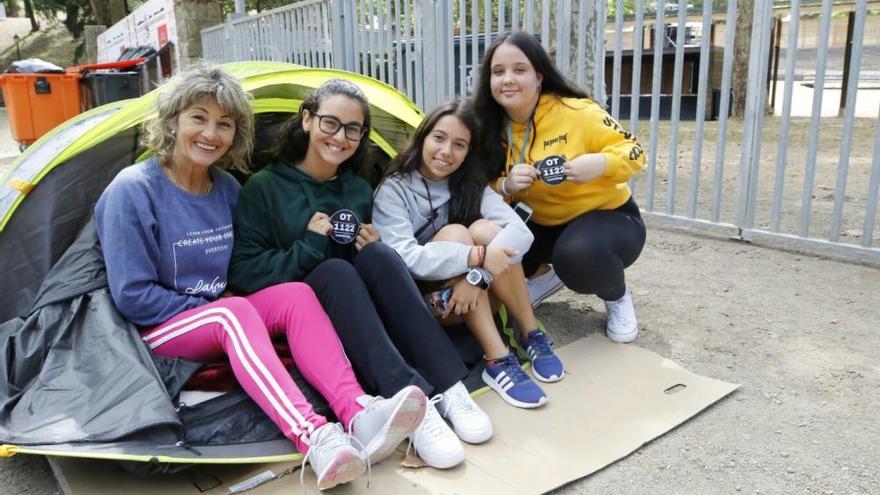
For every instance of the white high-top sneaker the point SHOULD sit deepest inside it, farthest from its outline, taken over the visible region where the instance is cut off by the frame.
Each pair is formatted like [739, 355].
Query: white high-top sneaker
[384, 423]
[470, 423]
[333, 458]
[622, 326]
[543, 286]
[435, 443]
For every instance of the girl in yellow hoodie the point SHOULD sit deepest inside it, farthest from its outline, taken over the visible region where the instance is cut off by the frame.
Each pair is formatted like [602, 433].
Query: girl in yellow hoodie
[559, 153]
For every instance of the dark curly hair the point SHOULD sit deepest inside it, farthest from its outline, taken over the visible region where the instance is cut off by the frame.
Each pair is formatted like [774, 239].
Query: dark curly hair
[293, 140]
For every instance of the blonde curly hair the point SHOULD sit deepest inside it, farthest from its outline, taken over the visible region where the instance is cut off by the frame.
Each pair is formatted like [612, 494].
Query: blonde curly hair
[188, 87]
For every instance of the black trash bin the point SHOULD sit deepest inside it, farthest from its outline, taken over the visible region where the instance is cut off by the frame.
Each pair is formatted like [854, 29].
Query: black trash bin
[100, 88]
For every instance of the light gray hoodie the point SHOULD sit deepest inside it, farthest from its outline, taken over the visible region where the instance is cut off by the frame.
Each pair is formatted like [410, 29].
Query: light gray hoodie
[402, 208]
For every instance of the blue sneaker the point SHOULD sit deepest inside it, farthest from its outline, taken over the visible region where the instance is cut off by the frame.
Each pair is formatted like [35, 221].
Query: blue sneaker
[507, 378]
[546, 366]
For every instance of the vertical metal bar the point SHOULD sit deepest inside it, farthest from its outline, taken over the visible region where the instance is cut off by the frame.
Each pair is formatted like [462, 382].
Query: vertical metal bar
[618, 54]
[514, 15]
[422, 90]
[410, 48]
[638, 45]
[563, 31]
[675, 117]
[701, 107]
[314, 34]
[545, 24]
[558, 36]
[873, 191]
[754, 117]
[635, 91]
[475, 37]
[782, 152]
[813, 145]
[400, 40]
[487, 23]
[300, 37]
[599, 63]
[382, 69]
[501, 16]
[581, 71]
[726, 73]
[290, 37]
[373, 40]
[852, 86]
[462, 51]
[659, 37]
[447, 34]
[529, 21]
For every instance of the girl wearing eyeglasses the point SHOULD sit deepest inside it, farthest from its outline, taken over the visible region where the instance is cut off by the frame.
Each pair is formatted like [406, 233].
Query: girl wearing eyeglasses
[307, 216]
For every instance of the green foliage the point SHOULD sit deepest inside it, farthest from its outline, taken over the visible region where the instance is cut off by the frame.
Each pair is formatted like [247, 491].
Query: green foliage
[228, 6]
[77, 13]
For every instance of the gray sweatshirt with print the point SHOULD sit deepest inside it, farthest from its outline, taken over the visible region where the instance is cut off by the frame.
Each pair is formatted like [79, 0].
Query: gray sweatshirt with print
[402, 209]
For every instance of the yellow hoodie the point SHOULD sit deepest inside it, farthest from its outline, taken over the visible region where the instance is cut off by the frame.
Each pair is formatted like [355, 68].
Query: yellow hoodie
[571, 127]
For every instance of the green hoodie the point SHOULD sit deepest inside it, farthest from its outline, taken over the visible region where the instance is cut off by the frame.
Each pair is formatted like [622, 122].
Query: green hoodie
[272, 244]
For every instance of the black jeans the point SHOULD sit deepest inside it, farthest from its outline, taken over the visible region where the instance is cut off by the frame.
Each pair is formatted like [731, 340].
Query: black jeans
[590, 252]
[389, 335]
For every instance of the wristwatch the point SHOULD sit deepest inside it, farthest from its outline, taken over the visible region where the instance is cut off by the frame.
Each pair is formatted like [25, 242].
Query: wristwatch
[479, 277]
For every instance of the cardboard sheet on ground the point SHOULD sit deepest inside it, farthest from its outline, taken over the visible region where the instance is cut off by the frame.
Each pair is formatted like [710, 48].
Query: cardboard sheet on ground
[615, 399]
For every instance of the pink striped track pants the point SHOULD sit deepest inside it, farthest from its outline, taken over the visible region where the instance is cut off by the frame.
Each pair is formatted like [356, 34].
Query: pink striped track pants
[242, 327]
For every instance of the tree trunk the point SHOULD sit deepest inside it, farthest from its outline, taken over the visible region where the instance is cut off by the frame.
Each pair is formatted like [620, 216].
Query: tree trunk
[741, 47]
[12, 9]
[108, 12]
[590, 49]
[29, 12]
[192, 17]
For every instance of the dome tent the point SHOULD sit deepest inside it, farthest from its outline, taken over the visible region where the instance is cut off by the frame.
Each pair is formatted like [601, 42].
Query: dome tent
[76, 380]
[48, 193]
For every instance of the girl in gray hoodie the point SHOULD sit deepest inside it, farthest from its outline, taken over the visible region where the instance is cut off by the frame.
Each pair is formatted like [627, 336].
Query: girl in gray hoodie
[453, 231]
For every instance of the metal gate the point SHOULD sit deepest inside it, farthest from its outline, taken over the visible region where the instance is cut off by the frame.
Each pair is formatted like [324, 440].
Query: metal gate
[762, 178]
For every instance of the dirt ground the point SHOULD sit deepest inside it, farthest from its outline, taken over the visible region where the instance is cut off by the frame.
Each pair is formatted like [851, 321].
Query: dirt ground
[798, 332]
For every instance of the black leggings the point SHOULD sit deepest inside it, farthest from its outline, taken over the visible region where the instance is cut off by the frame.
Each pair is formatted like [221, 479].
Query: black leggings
[389, 335]
[590, 252]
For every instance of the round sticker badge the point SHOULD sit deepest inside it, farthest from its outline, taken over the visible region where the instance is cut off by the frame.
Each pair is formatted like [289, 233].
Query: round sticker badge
[345, 226]
[551, 170]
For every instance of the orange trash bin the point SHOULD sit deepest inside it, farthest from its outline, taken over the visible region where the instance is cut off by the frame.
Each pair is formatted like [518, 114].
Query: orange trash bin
[36, 103]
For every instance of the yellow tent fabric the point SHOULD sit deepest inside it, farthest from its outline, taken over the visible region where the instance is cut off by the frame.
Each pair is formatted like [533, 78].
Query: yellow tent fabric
[275, 86]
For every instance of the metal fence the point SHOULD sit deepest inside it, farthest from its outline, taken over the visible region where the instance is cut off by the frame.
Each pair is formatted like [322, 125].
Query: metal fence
[753, 178]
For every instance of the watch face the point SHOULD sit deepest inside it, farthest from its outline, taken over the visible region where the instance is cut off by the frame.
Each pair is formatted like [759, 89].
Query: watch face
[474, 277]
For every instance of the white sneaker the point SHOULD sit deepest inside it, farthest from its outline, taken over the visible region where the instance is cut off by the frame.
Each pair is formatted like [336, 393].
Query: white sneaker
[470, 423]
[622, 326]
[543, 286]
[434, 441]
[384, 423]
[332, 457]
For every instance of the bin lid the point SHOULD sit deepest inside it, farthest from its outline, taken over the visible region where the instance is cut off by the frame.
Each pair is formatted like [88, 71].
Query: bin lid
[34, 66]
[122, 64]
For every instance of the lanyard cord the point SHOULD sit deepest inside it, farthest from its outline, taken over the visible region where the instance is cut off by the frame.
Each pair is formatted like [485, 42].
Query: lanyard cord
[433, 212]
[522, 150]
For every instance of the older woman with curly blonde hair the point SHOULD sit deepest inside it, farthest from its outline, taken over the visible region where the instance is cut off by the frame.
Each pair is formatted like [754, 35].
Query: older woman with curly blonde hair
[165, 227]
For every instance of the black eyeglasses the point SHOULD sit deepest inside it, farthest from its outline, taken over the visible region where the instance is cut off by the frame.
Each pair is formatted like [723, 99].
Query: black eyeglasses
[331, 125]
